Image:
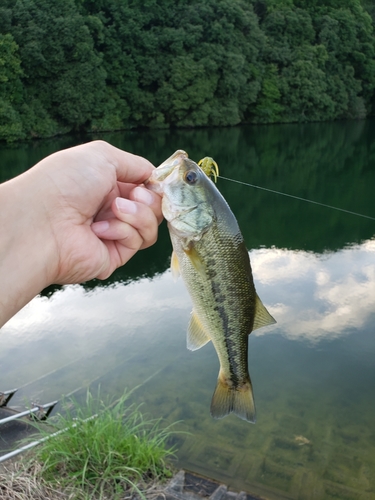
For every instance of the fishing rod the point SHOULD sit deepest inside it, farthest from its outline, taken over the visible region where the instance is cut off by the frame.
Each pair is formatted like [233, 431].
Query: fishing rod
[297, 198]
[41, 411]
[32, 444]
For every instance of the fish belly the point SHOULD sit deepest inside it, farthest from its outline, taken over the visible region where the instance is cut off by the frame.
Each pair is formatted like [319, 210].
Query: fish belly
[220, 283]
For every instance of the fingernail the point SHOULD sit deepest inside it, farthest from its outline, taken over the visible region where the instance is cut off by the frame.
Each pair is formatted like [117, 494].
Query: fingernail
[126, 206]
[100, 227]
[143, 196]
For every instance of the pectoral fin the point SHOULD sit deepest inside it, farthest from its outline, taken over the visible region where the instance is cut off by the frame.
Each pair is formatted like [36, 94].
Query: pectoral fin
[196, 336]
[196, 260]
[175, 266]
[262, 316]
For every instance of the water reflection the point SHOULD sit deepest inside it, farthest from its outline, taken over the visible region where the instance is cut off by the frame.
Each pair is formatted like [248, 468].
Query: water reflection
[323, 296]
[314, 269]
[128, 333]
[313, 296]
[75, 323]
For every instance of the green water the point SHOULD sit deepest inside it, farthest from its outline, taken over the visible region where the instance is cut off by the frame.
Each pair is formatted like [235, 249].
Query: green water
[313, 372]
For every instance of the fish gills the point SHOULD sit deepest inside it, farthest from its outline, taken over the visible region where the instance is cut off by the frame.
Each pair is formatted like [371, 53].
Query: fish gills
[210, 254]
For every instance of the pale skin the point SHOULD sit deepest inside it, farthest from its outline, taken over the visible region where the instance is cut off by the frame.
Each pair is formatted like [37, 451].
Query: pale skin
[78, 214]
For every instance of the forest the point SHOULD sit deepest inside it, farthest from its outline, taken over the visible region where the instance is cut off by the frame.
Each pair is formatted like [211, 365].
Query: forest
[100, 65]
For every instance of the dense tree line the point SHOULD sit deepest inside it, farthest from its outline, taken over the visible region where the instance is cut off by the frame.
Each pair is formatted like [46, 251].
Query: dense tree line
[95, 65]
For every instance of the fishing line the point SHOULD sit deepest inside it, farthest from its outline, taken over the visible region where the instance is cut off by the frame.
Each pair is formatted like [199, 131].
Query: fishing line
[297, 198]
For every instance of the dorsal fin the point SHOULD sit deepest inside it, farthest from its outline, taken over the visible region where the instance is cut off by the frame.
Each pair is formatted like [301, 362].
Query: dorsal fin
[196, 336]
[262, 317]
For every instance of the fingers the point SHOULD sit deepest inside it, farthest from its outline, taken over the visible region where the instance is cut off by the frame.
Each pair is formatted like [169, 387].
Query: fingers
[127, 237]
[135, 226]
[129, 167]
[139, 217]
[131, 225]
[153, 200]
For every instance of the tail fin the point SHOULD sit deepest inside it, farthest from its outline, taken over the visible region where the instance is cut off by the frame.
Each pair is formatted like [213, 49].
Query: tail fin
[238, 400]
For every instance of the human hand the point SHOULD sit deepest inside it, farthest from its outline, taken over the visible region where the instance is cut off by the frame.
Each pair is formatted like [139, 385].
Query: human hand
[77, 215]
[96, 209]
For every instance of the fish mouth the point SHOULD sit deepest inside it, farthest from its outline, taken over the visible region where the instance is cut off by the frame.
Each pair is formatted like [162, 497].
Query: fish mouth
[162, 176]
[159, 176]
[154, 185]
[174, 160]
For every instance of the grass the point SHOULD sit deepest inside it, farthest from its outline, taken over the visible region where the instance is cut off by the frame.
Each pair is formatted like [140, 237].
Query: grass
[17, 483]
[104, 451]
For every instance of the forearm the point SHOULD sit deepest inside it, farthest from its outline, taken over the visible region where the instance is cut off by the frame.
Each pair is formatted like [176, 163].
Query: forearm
[46, 217]
[25, 245]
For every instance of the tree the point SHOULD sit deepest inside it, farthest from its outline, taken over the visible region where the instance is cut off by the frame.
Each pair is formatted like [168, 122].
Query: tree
[10, 89]
[92, 65]
[323, 57]
[185, 64]
[64, 82]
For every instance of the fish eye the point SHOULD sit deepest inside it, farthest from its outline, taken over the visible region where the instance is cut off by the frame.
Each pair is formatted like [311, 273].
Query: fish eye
[191, 177]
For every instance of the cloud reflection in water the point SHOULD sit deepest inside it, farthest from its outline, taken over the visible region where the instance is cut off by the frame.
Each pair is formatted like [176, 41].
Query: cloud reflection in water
[317, 296]
[313, 297]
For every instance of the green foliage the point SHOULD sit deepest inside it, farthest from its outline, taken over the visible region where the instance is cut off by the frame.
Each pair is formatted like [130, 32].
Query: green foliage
[68, 65]
[10, 89]
[63, 77]
[268, 108]
[104, 449]
[324, 55]
[11, 127]
[182, 65]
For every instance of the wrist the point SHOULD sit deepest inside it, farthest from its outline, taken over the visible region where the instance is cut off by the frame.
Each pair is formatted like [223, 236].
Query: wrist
[26, 246]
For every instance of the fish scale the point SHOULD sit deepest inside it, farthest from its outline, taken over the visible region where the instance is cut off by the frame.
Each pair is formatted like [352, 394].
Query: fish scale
[210, 254]
[223, 298]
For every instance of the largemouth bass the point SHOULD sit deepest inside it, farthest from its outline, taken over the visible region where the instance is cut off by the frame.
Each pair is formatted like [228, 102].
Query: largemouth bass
[210, 254]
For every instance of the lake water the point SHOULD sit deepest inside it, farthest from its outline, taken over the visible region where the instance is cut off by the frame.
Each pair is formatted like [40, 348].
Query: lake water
[314, 268]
